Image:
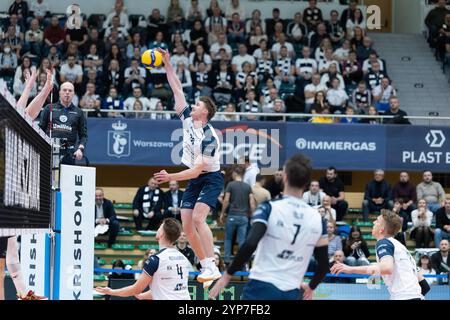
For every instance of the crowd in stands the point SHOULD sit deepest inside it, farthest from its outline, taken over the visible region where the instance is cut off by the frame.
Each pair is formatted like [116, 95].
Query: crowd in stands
[308, 63]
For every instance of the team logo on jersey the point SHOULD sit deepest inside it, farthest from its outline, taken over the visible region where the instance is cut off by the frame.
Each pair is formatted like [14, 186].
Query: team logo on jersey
[289, 255]
[63, 118]
[119, 140]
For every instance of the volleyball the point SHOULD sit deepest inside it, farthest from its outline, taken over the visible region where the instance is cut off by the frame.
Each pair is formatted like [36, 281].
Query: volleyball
[152, 59]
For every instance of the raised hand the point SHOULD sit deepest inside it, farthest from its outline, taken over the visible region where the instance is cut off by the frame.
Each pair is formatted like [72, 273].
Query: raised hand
[49, 82]
[165, 55]
[30, 79]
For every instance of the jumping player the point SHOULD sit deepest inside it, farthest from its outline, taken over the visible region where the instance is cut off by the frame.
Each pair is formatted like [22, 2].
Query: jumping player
[284, 233]
[394, 262]
[166, 272]
[201, 156]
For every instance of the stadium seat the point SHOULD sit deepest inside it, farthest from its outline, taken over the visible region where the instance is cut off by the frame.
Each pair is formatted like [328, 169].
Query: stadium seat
[122, 246]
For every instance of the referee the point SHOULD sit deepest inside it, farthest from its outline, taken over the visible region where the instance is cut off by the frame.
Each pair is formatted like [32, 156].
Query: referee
[68, 124]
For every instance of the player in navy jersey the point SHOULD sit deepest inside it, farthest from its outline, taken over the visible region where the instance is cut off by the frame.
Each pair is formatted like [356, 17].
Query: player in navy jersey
[166, 272]
[201, 156]
[394, 262]
[284, 233]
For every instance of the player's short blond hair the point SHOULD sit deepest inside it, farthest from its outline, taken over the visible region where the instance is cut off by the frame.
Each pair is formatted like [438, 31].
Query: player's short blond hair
[392, 222]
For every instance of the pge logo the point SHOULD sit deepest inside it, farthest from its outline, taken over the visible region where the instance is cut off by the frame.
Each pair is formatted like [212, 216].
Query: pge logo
[435, 138]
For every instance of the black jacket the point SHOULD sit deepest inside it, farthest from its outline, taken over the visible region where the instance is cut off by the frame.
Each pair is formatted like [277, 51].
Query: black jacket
[441, 219]
[108, 210]
[399, 117]
[374, 191]
[168, 199]
[155, 199]
[436, 260]
[68, 123]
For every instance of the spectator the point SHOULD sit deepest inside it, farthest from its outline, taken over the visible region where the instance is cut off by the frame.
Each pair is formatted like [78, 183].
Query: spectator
[147, 204]
[198, 36]
[134, 76]
[305, 67]
[26, 64]
[40, 10]
[319, 39]
[94, 38]
[13, 41]
[435, 19]
[334, 241]
[202, 81]
[400, 208]
[312, 89]
[140, 265]
[320, 103]
[135, 44]
[442, 230]
[185, 78]
[245, 81]
[21, 10]
[8, 61]
[356, 21]
[120, 12]
[223, 81]
[440, 260]
[54, 35]
[324, 110]
[183, 246]
[425, 267]
[251, 171]
[284, 69]
[195, 12]
[357, 40]
[377, 195]
[330, 213]
[372, 112]
[239, 204]
[367, 64]
[348, 13]
[148, 104]
[113, 76]
[406, 191]
[33, 39]
[160, 116]
[361, 98]
[91, 100]
[338, 257]
[365, 50]
[71, 72]
[394, 110]
[254, 22]
[197, 57]
[236, 29]
[328, 59]
[93, 60]
[431, 191]
[159, 42]
[221, 44]
[374, 77]
[96, 80]
[138, 107]
[351, 70]
[281, 42]
[382, 95]
[337, 97]
[179, 55]
[234, 7]
[55, 57]
[264, 69]
[279, 30]
[275, 186]
[175, 16]
[349, 111]
[278, 107]
[319, 51]
[156, 23]
[120, 265]
[355, 248]
[215, 25]
[20, 83]
[260, 193]
[114, 103]
[332, 73]
[314, 196]
[312, 15]
[270, 23]
[250, 106]
[77, 36]
[334, 29]
[106, 215]
[238, 60]
[172, 201]
[219, 261]
[230, 107]
[341, 54]
[421, 219]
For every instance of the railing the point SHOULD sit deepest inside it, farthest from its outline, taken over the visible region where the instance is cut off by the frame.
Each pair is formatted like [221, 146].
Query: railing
[284, 116]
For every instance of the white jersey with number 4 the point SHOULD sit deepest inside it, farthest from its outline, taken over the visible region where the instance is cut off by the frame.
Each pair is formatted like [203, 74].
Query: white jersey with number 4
[403, 283]
[283, 253]
[169, 270]
[199, 141]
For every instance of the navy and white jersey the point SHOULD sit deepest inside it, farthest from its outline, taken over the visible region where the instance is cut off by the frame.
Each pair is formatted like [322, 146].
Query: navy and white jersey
[199, 143]
[306, 65]
[283, 253]
[285, 66]
[169, 270]
[403, 283]
[264, 68]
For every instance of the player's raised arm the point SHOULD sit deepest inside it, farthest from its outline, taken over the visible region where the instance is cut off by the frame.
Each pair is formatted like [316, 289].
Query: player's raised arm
[36, 105]
[174, 82]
